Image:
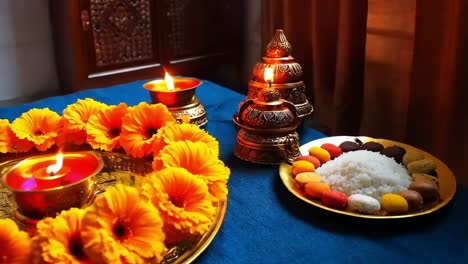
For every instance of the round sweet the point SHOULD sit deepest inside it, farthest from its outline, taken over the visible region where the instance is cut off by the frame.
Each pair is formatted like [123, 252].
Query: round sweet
[316, 189]
[319, 153]
[332, 149]
[372, 146]
[305, 177]
[422, 166]
[310, 159]
[427, 188]
[424, 176]
[334, 199]
[302, 166]
[395, 152]
[414, 199]
[363, 204]
[348, 146]
[394, 203]
[412, 156]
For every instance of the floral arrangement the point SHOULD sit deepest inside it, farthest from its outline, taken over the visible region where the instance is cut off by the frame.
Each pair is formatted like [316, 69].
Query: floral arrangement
[126, 224]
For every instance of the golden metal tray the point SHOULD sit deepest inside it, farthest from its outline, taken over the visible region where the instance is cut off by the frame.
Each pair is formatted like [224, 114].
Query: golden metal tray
[447, 181]
[120, 168]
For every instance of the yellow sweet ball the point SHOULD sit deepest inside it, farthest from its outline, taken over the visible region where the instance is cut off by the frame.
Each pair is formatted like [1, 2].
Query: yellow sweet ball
[320, 153]
[302, 166]
[394, 203]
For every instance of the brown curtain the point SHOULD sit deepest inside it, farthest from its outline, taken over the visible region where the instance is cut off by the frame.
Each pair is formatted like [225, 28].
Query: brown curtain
[387, 69]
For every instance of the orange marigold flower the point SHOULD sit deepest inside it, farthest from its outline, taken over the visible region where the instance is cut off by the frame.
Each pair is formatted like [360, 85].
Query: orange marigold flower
[183, 201]
[58, 239]
[39, 126]
[198, 159]
[121, 227]
[5, 142]
[77, 116]
[15, 244]
[139, 128]
[103, 129]
[180, 132]
[9, 142]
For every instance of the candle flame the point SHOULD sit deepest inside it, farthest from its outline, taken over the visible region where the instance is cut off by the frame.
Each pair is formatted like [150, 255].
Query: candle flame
[268, 75]
[54, 168]
[169, 82]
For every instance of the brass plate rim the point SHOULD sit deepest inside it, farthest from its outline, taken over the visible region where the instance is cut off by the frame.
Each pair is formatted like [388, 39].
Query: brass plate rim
[445, 173]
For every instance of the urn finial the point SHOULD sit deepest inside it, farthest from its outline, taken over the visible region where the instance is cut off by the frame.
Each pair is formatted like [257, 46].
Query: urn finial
[278, 46]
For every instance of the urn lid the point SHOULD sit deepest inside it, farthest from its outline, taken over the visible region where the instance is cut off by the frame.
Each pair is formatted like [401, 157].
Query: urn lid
[268, 111]
[278, 57]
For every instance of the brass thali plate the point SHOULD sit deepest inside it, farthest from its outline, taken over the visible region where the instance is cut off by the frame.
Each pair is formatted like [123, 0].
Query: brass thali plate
[120, 168]
[447, 180]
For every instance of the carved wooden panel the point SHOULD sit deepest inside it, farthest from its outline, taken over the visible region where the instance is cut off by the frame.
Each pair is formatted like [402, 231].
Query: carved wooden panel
[122, 31]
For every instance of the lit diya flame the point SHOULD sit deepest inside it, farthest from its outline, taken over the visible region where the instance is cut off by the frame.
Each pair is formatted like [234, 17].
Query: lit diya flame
[268, 75]
[169, 82]
[54, 168]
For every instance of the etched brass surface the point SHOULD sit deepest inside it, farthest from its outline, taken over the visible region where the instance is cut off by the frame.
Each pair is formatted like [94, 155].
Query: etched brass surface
[292, 92]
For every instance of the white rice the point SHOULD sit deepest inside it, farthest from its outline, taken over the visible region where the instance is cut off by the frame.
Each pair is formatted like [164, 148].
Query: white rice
[364, 172]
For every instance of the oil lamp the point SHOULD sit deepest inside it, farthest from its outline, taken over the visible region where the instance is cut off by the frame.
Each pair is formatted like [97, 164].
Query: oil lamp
[47, 184]
[178, 94]
[267, 129]
[287, 75]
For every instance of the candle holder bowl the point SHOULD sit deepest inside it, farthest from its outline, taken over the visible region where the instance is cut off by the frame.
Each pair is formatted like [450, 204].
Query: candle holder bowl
[35, 204]
[181, 101]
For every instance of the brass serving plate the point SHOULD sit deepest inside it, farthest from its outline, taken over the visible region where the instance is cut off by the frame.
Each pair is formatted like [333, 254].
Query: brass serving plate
[120, 168]
[447, 180]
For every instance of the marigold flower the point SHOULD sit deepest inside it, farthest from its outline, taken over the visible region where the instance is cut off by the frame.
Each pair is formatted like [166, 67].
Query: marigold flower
[198, 159]
[58, 239]
[121, 227]
[76, 117]
[103, 129]
[39, 126]
[9, 142]
[183, 201]
[5, 146]
[15, 244]
[180, 132]
[139, 128]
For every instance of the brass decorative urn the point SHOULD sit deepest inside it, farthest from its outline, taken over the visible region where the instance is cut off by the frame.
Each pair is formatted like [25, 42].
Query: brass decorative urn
[267, 129]
[287, 75]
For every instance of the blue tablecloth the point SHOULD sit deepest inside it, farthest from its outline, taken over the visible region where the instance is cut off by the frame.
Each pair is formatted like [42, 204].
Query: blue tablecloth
[264, 223]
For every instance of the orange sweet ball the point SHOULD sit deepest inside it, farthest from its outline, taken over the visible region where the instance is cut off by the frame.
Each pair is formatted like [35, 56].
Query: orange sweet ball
[316, 189]
[319, 153]
[302, 166]
[332, 149]
[310, 159]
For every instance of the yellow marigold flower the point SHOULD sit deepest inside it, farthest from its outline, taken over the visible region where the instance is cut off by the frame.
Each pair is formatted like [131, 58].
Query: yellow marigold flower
[103, 129]
[9, 142]
[58, 239]
[15, 244]
[139, 128]
[39, 126]
[180, 132]
[198, 159]
[121, 227]
[185, 119]
[183, 201]
[77, 116]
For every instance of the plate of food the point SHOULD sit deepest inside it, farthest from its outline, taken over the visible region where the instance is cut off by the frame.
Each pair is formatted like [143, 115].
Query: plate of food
[369, 178]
